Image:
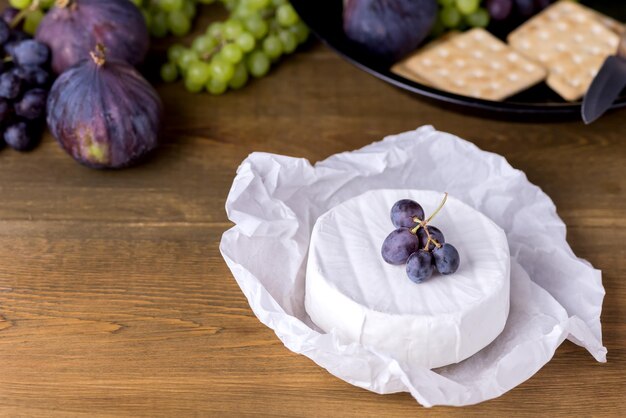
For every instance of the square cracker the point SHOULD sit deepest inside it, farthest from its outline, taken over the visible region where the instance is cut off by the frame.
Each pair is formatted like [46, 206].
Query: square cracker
[403, 70]
[570, 41]
[475, 64]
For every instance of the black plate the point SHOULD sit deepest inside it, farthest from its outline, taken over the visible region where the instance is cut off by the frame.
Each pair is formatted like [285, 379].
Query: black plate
[324, 17]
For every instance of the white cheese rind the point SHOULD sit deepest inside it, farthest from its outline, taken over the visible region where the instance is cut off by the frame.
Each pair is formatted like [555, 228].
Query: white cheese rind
[353, 292]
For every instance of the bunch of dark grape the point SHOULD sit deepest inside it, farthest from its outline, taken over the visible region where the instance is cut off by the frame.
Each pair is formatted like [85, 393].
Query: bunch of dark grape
[421, 246]
[24, 83]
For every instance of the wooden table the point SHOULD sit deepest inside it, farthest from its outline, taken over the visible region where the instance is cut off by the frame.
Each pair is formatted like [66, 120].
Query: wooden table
[114, 299]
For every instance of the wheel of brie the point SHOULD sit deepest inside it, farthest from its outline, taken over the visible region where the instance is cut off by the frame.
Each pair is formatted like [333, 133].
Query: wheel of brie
[352, 292]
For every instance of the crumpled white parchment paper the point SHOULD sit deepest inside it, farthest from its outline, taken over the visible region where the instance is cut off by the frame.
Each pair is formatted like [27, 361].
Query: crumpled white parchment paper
[275, 200]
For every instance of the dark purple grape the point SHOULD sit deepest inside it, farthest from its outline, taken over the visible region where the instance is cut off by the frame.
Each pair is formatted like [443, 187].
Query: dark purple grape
[9, 47]
[419, 266]
[18, 36]
[5, 32]
[10, 85]
[31, 52]
[20, 137]
[499, 9]
[447, 259]
[33, 75]
[526, 8]
[403, 212]
[435, 234]
[9, 14]
[399, 245]
[5, 111]
[32, 105]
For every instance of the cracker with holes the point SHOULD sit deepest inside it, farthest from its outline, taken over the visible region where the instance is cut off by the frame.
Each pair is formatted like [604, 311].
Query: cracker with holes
[405, 71]
[570, 41]
[476, 64]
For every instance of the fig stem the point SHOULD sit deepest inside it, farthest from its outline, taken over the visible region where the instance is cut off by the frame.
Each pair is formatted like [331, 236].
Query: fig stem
[99, 55]
[424, 223]
[62, 4]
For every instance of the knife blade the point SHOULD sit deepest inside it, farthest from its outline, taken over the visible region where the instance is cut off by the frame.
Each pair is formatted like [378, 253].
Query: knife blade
[606, 86]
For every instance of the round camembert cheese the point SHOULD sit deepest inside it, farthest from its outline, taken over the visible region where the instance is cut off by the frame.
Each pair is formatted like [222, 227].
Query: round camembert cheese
[352, 292]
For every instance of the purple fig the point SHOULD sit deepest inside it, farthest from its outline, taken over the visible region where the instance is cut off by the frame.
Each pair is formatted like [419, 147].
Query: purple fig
[104, 113]
[389, 29]
[73, 27]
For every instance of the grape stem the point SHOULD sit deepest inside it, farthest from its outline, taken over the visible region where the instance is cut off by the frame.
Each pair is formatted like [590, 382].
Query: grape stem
[423, 224]
[222, 43]
[22, 14]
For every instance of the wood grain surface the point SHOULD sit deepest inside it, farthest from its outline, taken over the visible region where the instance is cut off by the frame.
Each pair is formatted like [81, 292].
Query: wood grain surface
[115, 301]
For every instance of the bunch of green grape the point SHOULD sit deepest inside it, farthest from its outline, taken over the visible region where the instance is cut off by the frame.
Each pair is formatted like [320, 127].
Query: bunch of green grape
[458, 14]
[169, 16]
[33, 12]
[257, 33]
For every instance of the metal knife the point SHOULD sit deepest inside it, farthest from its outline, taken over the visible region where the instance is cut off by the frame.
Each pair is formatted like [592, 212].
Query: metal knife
[607, 85]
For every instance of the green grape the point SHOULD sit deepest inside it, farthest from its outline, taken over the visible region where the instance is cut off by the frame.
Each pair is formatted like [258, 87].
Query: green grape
[205, 1]
[240, 77]
[198, 72]
[46, 4]
[256, 26]
[32, 21]
[272, 47]
[20, 4]
[147, 17]
[222, 70]
[301, 31]
[258, 63]
[278, 3]
[215, 30]
[174, 52]
[169, 72]
[193, 87]
[246, 42]
[478, 19]
[446, 2]
[204, 44]
[137, 3]
[255, 5]
[170, 5]
[288, 41]
[241, 13]
[185, 59]
[158, 26]
[178, 23]
[286, 15]
[232, 29]
[231, 53]
[189, 8]
[230, 4]
[467, 7]
[216, 87]
[450, 17]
